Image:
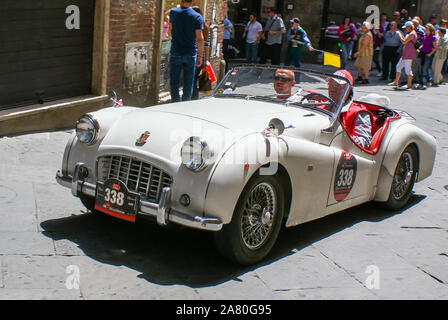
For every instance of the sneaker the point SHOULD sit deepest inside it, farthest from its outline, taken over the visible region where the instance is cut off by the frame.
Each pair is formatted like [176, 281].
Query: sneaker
[392, 84]
[365, 81]
[379, 74]
[359, 79]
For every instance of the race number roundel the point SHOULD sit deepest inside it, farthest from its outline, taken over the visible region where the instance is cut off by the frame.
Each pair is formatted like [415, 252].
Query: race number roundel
[345, 176]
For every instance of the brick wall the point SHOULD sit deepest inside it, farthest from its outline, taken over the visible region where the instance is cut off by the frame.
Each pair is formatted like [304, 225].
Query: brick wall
[130, 21]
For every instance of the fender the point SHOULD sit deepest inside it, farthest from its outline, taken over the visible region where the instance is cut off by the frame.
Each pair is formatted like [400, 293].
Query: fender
[404, 136]
[234, 171]
[87, 154]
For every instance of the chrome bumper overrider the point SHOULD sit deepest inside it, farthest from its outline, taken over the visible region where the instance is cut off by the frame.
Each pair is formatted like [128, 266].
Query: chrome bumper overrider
[161, 210]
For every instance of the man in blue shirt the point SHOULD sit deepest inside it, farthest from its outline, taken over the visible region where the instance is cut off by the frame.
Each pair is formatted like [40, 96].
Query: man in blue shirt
[186, 49]
[227, 33]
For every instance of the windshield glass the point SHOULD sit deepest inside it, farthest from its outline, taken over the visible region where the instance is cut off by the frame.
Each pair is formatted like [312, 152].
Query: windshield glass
[308, 89]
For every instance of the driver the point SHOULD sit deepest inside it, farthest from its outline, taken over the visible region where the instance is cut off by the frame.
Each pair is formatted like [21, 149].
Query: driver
[355, 116]
[284, 81]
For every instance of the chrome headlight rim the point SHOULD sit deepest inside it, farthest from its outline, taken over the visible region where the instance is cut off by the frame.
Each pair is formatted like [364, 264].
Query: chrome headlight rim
[206, 153]
[96, 127]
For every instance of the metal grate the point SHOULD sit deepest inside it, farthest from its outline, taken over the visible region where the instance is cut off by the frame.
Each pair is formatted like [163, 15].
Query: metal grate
[140, 177]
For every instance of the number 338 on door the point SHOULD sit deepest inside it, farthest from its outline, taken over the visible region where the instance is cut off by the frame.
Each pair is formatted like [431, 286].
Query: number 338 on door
[345, 176]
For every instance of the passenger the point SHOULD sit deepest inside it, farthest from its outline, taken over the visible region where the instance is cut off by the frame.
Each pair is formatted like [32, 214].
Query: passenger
[355, 116]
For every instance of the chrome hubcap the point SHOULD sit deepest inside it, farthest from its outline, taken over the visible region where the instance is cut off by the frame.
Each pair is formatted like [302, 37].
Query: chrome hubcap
[258, 215]
[403, 176]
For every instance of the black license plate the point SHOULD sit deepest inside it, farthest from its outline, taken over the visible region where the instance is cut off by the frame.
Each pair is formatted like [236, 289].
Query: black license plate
[114, 198]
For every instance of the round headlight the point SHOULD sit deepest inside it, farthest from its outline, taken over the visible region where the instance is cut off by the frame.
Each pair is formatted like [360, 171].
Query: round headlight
[87, 129]
[196, 154]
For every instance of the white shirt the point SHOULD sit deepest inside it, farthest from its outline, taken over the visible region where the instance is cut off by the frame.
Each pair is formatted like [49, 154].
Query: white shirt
[253, 30]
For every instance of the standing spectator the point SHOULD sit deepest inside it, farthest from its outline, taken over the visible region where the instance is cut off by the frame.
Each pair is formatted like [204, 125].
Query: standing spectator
[226, 42]
[396, 18]
[206, 34]
[383, 22]
[420, 30]
[440, 56]
[166, 25]
[297, 41]
[404, 16]
[364, 55]
[426, 51]
[254, 31]
[332, 37]
[444, 24]
[273, 34]
[392, 43]
[358, 26]
[378, 44]
[186, 50]
[409, 55]
[433, 21]
[347, 32]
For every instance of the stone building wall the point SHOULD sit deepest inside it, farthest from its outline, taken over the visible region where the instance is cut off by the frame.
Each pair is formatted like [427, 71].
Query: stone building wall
[131, 21]
[428, 7]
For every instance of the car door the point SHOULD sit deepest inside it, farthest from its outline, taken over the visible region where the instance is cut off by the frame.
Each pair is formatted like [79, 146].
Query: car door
[352, 180]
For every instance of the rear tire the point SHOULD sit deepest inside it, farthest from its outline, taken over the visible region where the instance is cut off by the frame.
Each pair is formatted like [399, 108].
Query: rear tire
[256, 222]
[404, 179]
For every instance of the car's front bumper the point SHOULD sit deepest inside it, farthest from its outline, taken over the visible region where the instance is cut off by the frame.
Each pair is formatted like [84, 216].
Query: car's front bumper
[162, 210]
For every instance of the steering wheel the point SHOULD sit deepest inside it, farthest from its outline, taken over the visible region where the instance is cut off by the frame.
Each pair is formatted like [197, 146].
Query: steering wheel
[310, 96]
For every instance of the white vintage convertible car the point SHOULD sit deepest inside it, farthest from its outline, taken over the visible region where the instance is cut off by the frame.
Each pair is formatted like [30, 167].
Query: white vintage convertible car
[268, 147]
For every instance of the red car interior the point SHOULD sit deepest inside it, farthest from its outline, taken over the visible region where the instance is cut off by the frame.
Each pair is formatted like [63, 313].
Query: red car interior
[381, 118]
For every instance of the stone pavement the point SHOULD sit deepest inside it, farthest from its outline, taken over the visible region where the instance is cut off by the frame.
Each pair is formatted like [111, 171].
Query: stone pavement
[44, 231]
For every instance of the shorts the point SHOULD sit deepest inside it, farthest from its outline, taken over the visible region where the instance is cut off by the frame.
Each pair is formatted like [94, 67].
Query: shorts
[364, 62]
[407, 65]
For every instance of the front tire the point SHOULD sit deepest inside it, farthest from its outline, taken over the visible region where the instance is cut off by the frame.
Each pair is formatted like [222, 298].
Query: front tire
[404, 179]
[256, 222]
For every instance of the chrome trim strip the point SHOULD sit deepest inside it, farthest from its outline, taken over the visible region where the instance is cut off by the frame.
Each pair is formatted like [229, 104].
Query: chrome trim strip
[161, 211]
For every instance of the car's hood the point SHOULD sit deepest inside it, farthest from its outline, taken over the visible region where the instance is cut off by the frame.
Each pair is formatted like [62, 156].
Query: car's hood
[219, 120]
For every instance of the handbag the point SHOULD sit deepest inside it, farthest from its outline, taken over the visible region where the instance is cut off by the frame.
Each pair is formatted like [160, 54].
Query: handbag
[205, 83]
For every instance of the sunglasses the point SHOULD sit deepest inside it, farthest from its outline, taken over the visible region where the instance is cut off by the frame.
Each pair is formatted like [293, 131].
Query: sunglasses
[283, 79]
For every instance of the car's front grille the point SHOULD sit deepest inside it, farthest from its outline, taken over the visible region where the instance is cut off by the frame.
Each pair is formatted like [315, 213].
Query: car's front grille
[140, 177]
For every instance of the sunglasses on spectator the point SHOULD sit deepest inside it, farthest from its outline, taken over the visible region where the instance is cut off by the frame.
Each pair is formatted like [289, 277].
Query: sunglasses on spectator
[283, 79]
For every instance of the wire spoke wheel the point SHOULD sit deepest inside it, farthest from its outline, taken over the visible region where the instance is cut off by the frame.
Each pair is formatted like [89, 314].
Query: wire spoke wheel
[404, 179]
[258, 215]
[403, 176]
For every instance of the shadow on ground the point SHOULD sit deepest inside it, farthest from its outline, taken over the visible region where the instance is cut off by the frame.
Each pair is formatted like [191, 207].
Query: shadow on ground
[175, 255]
